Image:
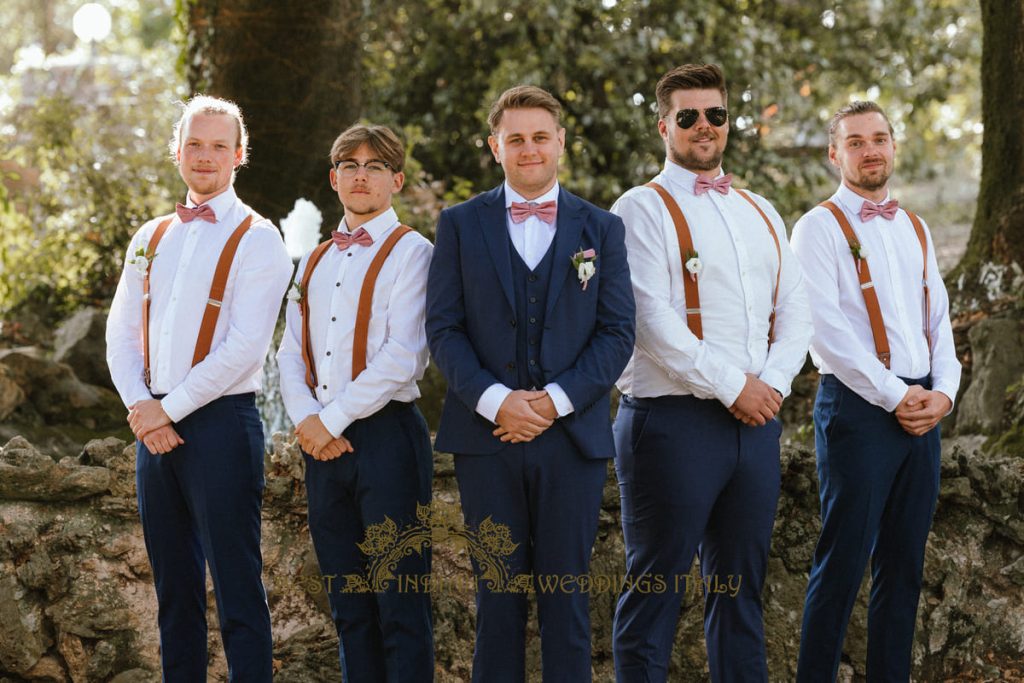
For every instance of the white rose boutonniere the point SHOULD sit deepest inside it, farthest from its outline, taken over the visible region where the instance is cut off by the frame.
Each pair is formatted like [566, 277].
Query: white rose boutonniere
[694, 266]
[584, 262]
[141, 259]
[860, 253]
[295, 293]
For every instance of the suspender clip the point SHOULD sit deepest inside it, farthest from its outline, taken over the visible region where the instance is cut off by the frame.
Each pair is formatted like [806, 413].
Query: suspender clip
[213, 302]
[867, 285]
[692, 311]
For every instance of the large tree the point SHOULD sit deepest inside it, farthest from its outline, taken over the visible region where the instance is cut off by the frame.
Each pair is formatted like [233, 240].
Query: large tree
[294, 68]
[995, 252]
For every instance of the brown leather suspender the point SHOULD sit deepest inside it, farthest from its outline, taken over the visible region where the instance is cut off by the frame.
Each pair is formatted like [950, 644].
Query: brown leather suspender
[868, 287]
[693, 318]
[150, 253]
[213, 302]
[363, 310]
[307, 344]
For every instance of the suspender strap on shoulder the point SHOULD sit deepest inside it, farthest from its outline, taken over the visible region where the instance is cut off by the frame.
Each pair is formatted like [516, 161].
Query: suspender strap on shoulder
[158, 234]
[926, 316]
[366, 299]
[217, 287]
[307, 344]
[692, 295]
[866, 286]
[778, 270]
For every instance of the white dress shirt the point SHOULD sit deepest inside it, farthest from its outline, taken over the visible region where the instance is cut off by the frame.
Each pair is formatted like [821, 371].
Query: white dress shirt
[180, 278]
[842, 343]
[532, 238]
[736, 286]
[396, 347]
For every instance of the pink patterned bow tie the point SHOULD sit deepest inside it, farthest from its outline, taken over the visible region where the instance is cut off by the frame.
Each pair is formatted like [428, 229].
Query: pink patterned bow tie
[546, 211]
[869, 210]
[343, 240]
[203, 212]
[719, 185]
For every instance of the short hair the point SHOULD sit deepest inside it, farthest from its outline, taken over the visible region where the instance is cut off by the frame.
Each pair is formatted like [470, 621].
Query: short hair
[523, 97]
[207, 104]
[381, 139]
[688, 77]
[853, 109]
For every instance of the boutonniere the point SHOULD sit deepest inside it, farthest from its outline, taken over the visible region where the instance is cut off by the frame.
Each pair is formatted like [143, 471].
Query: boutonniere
[583, 262]
[860, 253]
[295, 293]
[694, 266]
[141, 259]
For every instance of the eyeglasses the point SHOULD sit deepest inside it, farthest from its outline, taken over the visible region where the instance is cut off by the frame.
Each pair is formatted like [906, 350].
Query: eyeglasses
[374, 167]
[716, 116]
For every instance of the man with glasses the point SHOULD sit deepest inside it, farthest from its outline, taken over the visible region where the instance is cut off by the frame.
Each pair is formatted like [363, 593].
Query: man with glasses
[353, 349]
[722, 329]
[889, 372]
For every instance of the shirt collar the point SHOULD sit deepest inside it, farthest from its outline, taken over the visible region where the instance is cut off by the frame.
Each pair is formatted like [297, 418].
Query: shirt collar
[221, 204]
[853, 201]
[682, 177]
[513, 196]
[376, 226]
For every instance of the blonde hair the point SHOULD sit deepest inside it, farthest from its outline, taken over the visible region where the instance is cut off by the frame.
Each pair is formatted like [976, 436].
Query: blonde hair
[207, 104]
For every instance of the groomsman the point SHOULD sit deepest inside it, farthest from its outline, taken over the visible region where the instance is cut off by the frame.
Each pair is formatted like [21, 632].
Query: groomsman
[353, 349]
[530, 318]
[722, 329]
[187, 334]
[889, 373]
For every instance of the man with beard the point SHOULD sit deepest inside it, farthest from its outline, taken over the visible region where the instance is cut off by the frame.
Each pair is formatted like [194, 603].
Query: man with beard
[889, 372]
[187, 335]
[722, 329]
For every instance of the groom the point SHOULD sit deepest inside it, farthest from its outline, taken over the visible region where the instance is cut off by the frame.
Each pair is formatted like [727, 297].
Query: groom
[530, 318]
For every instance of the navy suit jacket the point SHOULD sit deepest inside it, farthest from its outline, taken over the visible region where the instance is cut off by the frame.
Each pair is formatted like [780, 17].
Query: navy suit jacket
[587, 338]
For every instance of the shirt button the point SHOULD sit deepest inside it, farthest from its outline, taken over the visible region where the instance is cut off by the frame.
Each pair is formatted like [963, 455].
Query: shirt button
[325, 386]
[333, 318]
[349, 254]
[337, 284]
[328, 353]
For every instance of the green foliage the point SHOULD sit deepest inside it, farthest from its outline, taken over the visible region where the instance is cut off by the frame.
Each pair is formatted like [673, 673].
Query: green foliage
[437, 64]
[87, 177]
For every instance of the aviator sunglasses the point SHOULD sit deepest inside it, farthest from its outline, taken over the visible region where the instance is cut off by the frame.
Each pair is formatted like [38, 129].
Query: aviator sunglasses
[716, 116]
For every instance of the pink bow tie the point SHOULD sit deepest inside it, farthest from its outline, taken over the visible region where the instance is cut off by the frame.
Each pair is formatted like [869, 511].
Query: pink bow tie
[343, 240]
[719, 185]
[203, 212]
[869, 210]
[546, 211]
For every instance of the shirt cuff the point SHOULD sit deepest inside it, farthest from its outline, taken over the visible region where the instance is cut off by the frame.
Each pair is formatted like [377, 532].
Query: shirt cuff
[335, 419]
[950, 392]
[561, 400]
[893, 392]
[142, 395]
[178, 404]
[491, 400]
[728, 390]
[777, 381]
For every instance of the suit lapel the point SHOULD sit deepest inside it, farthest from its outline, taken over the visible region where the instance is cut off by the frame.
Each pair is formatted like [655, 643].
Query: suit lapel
[491, 216]
[567, 242]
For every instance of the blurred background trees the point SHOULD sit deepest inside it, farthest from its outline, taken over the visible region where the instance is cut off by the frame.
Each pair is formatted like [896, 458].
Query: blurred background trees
[84, 125]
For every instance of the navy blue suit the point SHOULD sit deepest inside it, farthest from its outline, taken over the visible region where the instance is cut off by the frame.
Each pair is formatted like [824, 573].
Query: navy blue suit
[488, 314]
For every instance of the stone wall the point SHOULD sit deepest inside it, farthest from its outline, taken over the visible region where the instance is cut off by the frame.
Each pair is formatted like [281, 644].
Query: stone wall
[77, 604]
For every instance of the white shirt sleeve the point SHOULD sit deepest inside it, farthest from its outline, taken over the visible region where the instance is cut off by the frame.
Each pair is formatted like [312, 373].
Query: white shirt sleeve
[661, 330]
[264, 269]
[124, 330]
[299, 401]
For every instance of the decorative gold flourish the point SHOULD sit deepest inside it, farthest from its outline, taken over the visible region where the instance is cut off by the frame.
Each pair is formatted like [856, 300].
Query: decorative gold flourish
[385, 545]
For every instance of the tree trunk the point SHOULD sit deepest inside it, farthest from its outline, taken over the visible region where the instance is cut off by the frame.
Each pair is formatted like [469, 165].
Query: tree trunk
[997, 236]
[293, 66]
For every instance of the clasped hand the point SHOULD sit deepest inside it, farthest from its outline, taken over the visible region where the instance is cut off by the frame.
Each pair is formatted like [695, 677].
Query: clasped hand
[921, 409]
[320, 443]
[152, 426]
[757, 403]
[524, 415]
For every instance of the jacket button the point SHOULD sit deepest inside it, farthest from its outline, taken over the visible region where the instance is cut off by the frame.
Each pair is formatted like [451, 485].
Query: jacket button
[512, 323]
[510, 366]
[533, 299]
